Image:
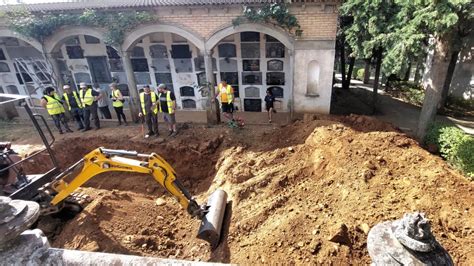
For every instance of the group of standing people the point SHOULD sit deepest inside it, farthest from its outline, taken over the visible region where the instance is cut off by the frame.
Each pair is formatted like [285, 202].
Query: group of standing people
[83, 106]
[163, 101]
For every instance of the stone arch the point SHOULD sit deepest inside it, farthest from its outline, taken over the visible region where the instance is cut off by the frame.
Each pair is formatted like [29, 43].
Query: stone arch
[227, 30]
[9, 33]
[133, 37]
[53, 42]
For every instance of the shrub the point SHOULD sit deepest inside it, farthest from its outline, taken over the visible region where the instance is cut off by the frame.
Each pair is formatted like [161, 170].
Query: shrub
[459, 101]
[454, 145]
[360, 74]
[415, 96]
[432, 134]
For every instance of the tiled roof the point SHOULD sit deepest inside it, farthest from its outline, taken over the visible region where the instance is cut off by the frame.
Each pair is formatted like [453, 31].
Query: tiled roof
[110, 4]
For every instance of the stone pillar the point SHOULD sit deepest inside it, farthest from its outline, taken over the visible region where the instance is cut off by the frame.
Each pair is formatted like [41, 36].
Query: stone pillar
[56, 74]
[134, 101]
[291, 53]
[212, 108]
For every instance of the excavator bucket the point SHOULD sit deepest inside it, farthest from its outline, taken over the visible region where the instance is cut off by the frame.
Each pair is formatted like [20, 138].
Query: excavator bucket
[211, 224]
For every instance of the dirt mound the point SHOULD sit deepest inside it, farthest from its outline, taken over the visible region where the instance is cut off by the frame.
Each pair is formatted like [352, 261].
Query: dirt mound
[303, 193]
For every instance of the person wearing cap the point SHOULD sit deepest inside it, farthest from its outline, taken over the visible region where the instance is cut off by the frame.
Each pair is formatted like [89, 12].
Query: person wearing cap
[74, 104]
[225, 93]
[55, 109]
[149, 110]
[168, 108]
[117, 103]
[89, 99]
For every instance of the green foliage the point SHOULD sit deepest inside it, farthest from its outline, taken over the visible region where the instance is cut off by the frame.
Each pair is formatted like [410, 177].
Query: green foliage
[460, 102]
[360, 74]
[40, 26]
[276, 13]
[454, 145]
[408, 91]
[402, 28]
[433, 133]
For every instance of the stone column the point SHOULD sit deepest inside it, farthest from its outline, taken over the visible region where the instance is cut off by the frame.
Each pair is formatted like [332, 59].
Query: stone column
[56, 74]
[212, 108]
[291, 53]
[134, 101]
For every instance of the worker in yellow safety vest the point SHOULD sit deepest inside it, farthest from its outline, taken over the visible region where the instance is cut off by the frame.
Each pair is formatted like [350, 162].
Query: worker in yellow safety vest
[117, 103]
[89, 98]
[225, 93]
[149, 110]
[74, 105]
[168, 108]
[55, 109]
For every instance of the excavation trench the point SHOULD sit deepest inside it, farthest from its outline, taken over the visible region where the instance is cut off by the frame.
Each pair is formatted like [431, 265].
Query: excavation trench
[145, 219]
[291, 189]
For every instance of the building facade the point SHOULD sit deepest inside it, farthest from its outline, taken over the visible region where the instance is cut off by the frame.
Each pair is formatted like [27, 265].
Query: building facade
[189, 41]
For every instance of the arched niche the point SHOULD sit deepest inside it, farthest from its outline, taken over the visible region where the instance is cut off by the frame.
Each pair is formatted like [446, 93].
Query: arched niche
[137, 52]
[158, 51]
[187, 91]
[189, 104]
[252, 92]
[314, 70]
[226, 50]
[82, 77]
[275, 65]
[278, 92]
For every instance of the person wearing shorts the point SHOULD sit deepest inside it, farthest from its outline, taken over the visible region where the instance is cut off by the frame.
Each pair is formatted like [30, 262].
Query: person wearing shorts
[225, 93]
[269, 101]
[168, 108]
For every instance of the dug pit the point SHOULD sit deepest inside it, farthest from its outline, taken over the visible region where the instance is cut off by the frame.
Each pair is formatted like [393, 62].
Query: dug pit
[302, 193]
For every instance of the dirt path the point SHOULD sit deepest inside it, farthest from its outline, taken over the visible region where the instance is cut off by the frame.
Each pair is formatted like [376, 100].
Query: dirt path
[290, 189]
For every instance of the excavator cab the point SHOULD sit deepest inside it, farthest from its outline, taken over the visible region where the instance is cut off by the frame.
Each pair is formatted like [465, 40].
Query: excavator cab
[25, 186]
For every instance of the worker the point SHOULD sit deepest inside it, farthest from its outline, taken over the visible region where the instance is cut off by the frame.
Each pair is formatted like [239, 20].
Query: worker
[168, 108]
[74, 105]
[149, 110]
[225, 93]
[55, 109]
[103, 102]
[117, 103]
[89, 98]
[269, 101]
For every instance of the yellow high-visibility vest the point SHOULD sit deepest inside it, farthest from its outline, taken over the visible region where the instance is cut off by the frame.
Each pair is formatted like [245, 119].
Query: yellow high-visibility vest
[56, 96]
[87, 98]
[226, 93]
[53, 106]
[117, 102]
[153, 100]
[74, 94]
[169, 102]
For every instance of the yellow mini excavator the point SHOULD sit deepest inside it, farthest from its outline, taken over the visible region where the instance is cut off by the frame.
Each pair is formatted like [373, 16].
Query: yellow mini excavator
[55, 195]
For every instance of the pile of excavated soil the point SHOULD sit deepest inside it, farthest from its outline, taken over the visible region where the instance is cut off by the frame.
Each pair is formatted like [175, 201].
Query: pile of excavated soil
[291, 188]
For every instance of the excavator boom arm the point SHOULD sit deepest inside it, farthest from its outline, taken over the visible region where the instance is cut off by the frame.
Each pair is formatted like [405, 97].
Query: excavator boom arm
[103, 160]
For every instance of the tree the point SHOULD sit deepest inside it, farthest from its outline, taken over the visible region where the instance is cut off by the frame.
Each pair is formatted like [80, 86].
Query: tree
[369, 35]
[399, 29]
[447, 23]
